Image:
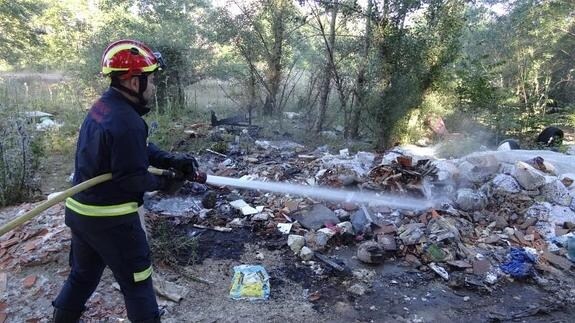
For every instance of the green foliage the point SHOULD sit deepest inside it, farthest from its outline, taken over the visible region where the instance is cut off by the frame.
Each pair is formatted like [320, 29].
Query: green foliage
[411, 61]
[18, 32]
[515, 66]
[169, 244]
[19, 153]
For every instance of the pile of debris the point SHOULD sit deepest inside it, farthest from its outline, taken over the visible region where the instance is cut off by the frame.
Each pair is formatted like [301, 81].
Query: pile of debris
[494, 214]
[479, 219]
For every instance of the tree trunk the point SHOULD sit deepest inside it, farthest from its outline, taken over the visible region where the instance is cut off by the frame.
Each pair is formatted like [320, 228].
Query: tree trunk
[328, 70]
[360, 92]
[274, 60]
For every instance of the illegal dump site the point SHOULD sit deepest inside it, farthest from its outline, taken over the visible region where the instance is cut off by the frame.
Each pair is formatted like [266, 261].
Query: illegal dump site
[308, 234]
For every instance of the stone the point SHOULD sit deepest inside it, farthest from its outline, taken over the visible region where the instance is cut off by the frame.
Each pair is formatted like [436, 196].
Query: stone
[555, 192]
[527, 176]
[411, 233]
[412, 259]
[501, 222]
[506, 183]
[317, 217]
[244, 208]
[345, 227]
[529, 221]
[470, 200]
[342, 215]
[370, 252]
[357, 289]
[306, 253]
[328, 232]
[387, 242]
[29, 281]
[296, 242]
[479, 168]
[557, 261]
[461, 264]
[561, 214]
[263, 216]
[360, 221]
[316, 240]
[481, 266]
[441, 228]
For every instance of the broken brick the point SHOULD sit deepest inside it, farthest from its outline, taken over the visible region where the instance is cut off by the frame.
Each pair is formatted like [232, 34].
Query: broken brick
[29, 281]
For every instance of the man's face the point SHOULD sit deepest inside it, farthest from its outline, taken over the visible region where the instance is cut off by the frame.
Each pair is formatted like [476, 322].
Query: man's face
[150, 89]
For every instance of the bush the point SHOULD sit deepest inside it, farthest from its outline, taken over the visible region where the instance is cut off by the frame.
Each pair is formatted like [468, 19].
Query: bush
[19, 159]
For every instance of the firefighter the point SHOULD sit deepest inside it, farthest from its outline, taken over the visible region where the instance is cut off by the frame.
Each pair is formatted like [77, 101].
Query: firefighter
[106, 229]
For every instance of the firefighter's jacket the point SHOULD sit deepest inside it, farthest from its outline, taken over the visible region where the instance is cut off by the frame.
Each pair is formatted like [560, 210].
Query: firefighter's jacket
[113, 139]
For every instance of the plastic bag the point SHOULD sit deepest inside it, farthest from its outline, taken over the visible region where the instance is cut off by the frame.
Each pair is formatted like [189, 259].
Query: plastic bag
[519, 263]
[250, 282]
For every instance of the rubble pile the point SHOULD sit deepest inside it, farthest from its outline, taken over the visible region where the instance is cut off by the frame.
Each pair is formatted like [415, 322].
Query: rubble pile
[483, 219]
[487, 209]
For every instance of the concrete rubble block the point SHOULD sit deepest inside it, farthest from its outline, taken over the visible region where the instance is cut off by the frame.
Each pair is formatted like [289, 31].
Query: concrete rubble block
[262, 216]
[506, 168]
[243, 207]
[345, 227]
[528, 177]
[439, 229]
[295, 242]
[411, 233]
[370, 252]
[306, 253]
[479, 168]
[316, 240]
[237, 222]
[555, 192]
[561, 214]
[387, 242]
[328, 232]
[470, 200]
[447, 171]
[506, 183]
[360, 221]
[317, 217]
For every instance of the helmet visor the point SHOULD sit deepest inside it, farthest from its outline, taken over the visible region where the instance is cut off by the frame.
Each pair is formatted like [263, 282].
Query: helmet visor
[160, 60]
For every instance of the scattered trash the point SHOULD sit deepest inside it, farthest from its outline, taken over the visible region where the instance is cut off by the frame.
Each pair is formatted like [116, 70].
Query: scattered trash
[439, 270]
[519, 263]
[250, 282]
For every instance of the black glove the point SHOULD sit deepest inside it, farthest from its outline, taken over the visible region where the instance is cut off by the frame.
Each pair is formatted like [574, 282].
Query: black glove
[171, 181]
[186, 164]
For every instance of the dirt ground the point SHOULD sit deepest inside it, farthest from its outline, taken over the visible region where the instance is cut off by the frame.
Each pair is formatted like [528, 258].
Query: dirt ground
[301, 291]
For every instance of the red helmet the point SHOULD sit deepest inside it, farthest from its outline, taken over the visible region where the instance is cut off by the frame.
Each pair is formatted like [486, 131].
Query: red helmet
[130, 58]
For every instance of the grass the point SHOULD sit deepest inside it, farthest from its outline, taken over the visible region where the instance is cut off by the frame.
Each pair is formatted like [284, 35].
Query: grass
[170, 245]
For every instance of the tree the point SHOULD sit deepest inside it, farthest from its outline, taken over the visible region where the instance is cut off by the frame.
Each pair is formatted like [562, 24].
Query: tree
[265, 43]
[411, 58]
[18, 32]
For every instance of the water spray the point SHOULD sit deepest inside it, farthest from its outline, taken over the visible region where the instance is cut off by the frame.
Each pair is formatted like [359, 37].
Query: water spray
[372, 199]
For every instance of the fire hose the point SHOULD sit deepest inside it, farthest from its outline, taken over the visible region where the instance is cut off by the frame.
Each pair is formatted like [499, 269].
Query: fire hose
[76, 189]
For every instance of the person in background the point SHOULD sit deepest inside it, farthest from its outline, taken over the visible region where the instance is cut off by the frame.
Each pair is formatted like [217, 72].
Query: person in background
[104, 222]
